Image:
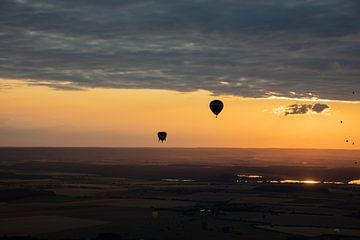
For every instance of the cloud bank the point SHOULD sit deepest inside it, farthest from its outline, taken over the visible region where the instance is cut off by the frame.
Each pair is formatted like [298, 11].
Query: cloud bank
[300, 109]
[259, 48]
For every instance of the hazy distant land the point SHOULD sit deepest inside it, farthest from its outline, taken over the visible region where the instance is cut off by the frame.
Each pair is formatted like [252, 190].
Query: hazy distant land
[179, 193]
[187, 156]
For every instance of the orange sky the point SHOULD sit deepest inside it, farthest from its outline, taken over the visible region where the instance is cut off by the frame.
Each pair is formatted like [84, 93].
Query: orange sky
[40, 116]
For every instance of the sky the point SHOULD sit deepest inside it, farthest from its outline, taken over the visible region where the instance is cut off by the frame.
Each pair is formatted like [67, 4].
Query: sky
[113, 73]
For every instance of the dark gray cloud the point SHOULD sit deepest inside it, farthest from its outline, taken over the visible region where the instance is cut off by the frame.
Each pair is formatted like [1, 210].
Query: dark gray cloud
[319, 108]
[257, 48]
[300, 109]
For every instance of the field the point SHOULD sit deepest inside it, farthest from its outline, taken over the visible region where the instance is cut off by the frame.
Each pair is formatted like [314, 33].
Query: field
[178, 194]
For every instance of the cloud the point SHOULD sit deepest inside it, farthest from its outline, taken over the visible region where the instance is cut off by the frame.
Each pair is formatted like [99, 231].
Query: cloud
[68, 86]
[254, 47]
[319, 108]
[301, 109]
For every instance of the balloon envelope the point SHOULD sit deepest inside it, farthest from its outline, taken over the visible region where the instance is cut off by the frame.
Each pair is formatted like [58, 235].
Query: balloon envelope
[216, 106]
[162, 136]
[155, 214]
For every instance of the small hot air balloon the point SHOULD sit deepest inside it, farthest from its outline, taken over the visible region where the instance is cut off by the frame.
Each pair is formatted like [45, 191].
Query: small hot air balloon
[216, 106]
[341, 121]
[155, 214]
[162, 136]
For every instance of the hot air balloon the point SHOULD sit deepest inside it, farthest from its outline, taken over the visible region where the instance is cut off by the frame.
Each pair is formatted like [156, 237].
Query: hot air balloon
[162, 136]
[155, 214]
[216, 106]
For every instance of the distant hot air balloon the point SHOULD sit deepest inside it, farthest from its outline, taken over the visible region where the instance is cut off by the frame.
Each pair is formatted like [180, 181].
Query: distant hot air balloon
[216, 106]
[162, 136]
[155, 214]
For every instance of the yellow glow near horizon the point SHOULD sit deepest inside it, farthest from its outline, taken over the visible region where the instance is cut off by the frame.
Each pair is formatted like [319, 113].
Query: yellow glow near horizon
[311, 182]
[40, 116]
[300, 181]
[354, 182]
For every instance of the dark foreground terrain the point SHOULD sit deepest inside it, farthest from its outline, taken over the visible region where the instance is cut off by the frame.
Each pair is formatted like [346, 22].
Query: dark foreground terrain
[89, 193]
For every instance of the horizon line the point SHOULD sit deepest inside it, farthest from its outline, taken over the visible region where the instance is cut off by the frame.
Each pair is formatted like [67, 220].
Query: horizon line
[138, 147]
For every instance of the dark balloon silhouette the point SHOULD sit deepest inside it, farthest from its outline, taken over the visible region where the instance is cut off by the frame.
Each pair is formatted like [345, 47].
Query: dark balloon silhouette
[162, 136]
[353, 143]
[216, 106]
[347, 141]
[341, 121]
[353, 92]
